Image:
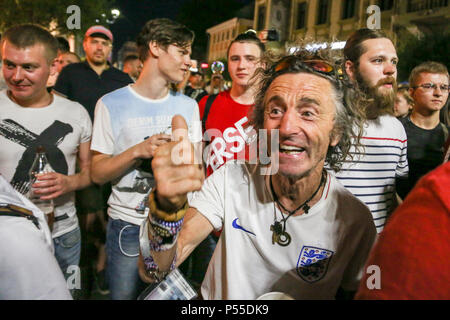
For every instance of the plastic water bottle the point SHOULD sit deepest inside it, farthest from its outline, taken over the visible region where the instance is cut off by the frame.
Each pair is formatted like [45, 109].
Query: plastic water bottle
[41, 165]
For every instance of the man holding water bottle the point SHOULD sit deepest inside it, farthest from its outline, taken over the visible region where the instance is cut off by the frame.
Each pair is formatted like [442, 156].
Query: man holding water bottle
[30, 116]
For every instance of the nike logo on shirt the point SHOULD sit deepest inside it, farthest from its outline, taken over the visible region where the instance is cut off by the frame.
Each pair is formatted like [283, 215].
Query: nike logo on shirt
[236, 226]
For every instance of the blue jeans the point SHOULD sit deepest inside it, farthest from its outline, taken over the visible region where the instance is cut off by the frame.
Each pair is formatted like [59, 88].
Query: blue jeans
[68, 249]
[122, 252]
[67, 253]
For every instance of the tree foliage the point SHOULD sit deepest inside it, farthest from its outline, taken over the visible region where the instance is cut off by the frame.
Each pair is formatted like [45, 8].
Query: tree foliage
[412, 51]
[51, 14]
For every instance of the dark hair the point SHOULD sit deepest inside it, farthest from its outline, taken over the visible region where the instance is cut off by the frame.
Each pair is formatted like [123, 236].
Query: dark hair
[354, 48]
[164, 32]
[27, 35]
[63, 45]
[129, 58]
[248, 37]
[349, 120]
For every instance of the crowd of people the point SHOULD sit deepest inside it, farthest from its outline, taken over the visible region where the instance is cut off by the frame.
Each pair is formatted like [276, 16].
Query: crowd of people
[309, 168]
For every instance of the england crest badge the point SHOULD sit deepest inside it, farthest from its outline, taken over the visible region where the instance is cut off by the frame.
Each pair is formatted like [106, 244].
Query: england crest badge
[313, 263]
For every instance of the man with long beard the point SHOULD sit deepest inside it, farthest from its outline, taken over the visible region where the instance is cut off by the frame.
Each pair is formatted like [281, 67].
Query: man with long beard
[371, 63]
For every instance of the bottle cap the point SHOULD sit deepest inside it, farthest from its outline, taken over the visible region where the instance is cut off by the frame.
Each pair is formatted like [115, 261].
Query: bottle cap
[40, 149]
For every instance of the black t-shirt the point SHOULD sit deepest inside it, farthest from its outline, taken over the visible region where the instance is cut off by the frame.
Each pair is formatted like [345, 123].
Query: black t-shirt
[80, 83]
[425, 153]
[196, 94]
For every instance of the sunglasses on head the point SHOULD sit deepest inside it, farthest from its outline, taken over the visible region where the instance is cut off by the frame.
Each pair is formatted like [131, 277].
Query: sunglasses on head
[316, 65]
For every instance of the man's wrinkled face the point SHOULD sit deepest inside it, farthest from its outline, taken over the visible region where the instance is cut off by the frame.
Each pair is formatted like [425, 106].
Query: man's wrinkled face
[26, 71]
[97, 50]
[301, 107]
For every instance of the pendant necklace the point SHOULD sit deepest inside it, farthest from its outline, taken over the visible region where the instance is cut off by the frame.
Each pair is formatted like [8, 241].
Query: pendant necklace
[279, 233]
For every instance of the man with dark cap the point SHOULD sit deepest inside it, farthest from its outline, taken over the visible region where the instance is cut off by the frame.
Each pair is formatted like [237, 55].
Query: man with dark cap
[87, 81]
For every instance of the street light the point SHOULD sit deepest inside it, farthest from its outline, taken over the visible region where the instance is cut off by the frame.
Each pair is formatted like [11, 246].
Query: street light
[115, 13]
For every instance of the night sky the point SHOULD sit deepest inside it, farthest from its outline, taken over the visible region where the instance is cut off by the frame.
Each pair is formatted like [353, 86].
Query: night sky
[135, 13]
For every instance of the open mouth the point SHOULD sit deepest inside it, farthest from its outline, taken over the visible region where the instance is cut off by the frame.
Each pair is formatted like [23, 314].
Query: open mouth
[291, 150]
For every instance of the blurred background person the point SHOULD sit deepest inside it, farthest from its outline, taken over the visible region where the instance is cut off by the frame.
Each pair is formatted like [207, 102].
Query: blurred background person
[194, 88]
[63, 47]
[65, 59]
[216, 85]
[133, 66]
[403, 102]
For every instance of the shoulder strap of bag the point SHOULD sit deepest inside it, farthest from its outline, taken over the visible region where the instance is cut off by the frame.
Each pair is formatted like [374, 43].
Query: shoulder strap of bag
[209, 102]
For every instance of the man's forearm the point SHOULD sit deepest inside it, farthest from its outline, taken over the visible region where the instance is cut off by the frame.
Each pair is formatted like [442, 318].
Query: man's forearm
[80, 180]
[106, 168]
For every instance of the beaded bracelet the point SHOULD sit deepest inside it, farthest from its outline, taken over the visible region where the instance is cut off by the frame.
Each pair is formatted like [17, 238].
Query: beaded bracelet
[152, 270]
[164, 234]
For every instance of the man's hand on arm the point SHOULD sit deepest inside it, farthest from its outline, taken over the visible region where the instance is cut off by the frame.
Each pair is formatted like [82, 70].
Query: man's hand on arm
[106, 167]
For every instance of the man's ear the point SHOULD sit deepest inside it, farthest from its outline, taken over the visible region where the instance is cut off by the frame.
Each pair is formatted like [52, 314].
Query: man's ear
[154, 48]
[335, 137]
[349, 69]
[53, 66]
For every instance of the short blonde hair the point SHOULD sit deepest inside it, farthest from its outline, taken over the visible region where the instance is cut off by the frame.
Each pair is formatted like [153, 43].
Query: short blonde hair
[426, 67]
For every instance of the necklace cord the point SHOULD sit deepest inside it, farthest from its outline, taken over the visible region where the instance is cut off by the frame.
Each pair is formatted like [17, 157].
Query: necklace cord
[304, 204]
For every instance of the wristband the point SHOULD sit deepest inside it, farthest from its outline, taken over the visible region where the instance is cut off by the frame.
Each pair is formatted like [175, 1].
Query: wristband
[163, 215]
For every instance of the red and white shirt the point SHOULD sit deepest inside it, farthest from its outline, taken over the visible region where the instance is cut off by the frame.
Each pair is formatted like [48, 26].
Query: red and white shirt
[228, 132]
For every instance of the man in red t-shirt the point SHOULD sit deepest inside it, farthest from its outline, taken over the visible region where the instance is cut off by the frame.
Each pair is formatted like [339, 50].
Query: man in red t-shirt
[226, 124]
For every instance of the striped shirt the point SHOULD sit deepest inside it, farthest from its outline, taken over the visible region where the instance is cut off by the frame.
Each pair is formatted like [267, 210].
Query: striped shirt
[370, 176]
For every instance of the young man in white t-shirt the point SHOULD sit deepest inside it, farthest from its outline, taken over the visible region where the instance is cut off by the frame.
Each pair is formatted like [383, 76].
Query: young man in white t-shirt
[30, 117]
[130, 123]
[290, 227]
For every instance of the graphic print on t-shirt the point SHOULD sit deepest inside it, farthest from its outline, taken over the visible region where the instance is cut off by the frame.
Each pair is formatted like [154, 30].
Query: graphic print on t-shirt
[313, 263]
[50, 138]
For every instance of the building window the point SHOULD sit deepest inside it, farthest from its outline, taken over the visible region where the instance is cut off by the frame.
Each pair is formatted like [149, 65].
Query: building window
[348, 9]
[301, 15]
[322, 13]
[419, 5]
[385, 4]
[234, 33]
[261, 17]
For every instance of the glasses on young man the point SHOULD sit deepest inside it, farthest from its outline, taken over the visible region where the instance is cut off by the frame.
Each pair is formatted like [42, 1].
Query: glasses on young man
[432, 86]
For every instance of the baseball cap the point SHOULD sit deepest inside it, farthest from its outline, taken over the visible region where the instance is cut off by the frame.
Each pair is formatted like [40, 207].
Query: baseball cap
[194, 71]
[99, 31]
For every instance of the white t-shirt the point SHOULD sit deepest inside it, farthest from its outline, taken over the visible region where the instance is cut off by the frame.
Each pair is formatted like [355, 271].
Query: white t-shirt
[123, 118]
[370, 176]
[28, 269]
[328, 249]
[60, 127]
